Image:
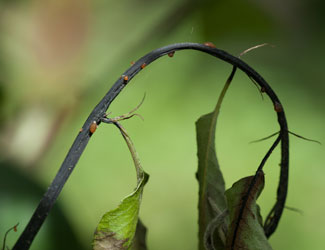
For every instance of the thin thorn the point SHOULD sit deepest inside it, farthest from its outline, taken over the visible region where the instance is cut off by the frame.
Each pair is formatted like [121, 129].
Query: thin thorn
[122, 117]
[139, 105]
[255, 47]
[304, 138]
[297, 210]
[299, 136]
[140, 116]
[257, 86]
[250, 49]
[125, 116]
[265, 138]
[107, 114]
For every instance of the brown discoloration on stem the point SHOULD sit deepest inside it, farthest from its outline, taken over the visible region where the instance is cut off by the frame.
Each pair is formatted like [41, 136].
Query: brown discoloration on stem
[278, 107]
[92, 127]
[210, 44]
[171, 54]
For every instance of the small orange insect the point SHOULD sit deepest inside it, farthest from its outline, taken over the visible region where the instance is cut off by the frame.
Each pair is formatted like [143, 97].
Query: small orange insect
[15, 228]
[278, 107]
[132, 62]
[81, 129]
[125, 78]
[209, 44]
[143, 66]
[171, 54]
[93, 127]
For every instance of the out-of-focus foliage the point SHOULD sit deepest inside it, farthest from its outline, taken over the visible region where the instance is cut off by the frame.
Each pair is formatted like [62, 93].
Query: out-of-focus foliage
[19, 194]
[58, 58]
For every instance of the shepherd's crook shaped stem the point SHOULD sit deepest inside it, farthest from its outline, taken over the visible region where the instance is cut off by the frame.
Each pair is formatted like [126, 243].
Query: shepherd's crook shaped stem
[78, 146]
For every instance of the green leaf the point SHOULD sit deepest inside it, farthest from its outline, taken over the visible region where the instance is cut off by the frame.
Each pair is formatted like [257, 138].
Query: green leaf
[117, 228]
[246, 231]
[212, 201]
[211, 182]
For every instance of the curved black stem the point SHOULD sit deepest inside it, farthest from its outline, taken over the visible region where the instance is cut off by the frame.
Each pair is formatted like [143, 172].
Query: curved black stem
[269, 152]
[273, 218]
[84, 135]
[259, 172]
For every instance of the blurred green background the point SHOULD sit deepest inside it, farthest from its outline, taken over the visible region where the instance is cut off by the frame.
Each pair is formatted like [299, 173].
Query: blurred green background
[58, 59]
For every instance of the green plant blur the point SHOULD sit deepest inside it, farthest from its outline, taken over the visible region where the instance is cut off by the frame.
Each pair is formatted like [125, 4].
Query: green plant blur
[57, 60]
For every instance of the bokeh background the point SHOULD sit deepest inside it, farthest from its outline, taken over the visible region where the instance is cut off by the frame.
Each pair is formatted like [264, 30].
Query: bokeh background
[57, 60]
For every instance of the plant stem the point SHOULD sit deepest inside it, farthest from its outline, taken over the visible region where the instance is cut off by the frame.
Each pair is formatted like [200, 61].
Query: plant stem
[78, 146]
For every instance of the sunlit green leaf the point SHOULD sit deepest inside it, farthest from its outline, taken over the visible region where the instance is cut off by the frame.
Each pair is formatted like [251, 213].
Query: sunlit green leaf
[246, 231]
[117, 228]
